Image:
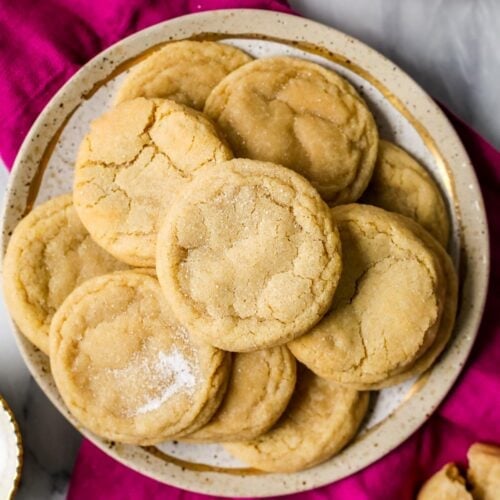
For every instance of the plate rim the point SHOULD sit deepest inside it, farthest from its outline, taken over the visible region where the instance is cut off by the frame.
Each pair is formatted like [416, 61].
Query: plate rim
[478, 283]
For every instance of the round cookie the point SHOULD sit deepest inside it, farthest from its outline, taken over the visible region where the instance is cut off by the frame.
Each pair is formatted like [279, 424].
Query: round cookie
[388, 304]
[248, 256]
[49, 254]
[303, 116]
[130, 167]
[400, 184]
[321, 419]
[126, 369]
[259, 389]
[446, 484]
[445, 329]
[184, 71]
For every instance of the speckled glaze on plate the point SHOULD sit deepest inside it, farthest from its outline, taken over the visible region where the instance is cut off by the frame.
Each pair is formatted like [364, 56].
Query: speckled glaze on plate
[404, 113]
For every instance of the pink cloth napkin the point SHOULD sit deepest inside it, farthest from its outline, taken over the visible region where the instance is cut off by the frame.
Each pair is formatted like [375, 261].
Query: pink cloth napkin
[41, 45]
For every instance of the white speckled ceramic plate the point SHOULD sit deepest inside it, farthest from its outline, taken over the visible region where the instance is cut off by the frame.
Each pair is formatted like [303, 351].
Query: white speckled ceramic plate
[405, 114]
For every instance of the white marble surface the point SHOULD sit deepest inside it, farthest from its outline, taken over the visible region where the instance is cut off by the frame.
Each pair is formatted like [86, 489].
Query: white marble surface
[449, 46]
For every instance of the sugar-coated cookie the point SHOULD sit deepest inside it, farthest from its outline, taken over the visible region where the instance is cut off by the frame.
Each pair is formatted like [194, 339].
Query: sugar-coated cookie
[248, 256]
[400, 184]
[49, 254]
[301, 115]
[131, 165]
[185, 72]
[259, 388]
[125, 368]
[447, 321]
[321, 418]
[387, 308]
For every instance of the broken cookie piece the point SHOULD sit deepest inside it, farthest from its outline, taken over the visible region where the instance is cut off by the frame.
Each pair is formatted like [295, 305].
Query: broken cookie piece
[446, 484]
[484, 471]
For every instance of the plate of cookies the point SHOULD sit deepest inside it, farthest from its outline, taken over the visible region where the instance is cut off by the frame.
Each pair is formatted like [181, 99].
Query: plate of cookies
[244, 254]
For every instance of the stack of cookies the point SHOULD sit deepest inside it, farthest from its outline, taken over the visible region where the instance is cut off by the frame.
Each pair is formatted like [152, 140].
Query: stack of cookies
[214, 212]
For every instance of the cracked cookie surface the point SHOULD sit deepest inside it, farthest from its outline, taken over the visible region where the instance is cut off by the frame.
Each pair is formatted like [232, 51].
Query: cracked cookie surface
[248, 256]
[259, 389]
[298, 114]
[400, 184]
[49, 254]
[388, 304]
[321, 419]
[185, 72]
[125, 368]
[130, 166]
[447, 321]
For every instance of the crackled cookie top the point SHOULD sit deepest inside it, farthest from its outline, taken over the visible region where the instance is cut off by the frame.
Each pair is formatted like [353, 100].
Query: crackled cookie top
[484, 470]
[248, 255]
[447, 321]
[130, 166]
[184, 72]
[446, 484]
[388, 304]
[298, 114]
[321, 418]
[49, 254]
[125, 368]
[400, 184]
[259, 388]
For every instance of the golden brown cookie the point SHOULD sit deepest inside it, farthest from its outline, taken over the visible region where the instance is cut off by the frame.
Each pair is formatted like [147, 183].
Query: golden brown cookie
[484, 471]
[49, 254]
[125, 368]
[387, 307]
[447, 321]
[259, 389]
[303, 116]
[130, 167]
[446, 484]
[248, 256]
[185, 72]
[320, 420]
[400, 184]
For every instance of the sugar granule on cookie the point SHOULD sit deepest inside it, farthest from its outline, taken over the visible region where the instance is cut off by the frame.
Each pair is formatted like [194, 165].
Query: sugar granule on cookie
[173, 368]
[248, 255]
